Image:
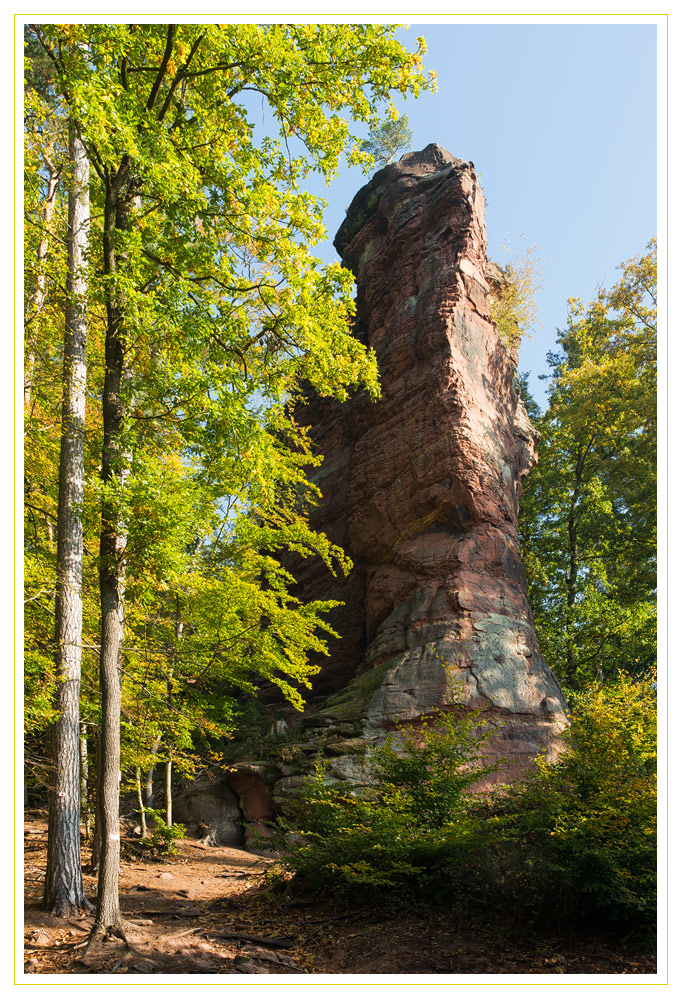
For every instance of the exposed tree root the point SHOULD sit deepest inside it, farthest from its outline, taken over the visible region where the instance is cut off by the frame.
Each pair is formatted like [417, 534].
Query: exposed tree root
[279, 942]
[101, 932]
[71, 946]
[126, 955]
[190, 930]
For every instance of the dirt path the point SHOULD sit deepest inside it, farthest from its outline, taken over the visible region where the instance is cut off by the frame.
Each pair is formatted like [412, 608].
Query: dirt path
[196, 913]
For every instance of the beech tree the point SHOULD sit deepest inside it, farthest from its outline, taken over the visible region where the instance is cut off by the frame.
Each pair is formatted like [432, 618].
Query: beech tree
[45, 155]
[216, 309]
[588, 512]
[64, 892]
[44, 230]
[37, 297]
[57, 290]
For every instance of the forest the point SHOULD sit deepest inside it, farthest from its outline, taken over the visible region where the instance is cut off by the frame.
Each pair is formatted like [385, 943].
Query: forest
[176, 320]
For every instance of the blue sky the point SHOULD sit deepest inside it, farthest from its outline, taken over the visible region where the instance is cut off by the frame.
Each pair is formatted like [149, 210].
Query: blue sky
[560, 122]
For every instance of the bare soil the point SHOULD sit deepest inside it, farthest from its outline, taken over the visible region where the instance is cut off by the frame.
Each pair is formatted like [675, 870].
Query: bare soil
[210, 910]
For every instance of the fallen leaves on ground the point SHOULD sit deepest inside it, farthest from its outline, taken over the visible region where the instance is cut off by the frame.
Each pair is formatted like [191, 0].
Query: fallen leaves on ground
[238, 926]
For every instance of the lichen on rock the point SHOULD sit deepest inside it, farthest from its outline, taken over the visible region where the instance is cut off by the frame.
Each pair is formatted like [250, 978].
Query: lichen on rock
[422, 488]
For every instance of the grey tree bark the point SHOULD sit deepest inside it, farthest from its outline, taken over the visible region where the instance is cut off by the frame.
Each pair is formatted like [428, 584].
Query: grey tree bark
[141, 804]
[37, 298]
[169, 694]
[64, 893]
[149, 781]
[168, 790]
[120, 196]
[85, 812]
[168, 782]
[94, 866]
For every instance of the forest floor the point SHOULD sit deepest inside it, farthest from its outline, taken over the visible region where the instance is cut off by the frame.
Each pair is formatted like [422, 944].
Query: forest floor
[209, 911]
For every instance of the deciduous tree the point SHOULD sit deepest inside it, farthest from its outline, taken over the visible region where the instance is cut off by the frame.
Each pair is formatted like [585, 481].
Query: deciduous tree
[588, 511]
[216, 308]
[64, 892]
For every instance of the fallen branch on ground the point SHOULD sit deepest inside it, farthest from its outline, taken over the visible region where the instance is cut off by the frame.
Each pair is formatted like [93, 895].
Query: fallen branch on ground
[281, 942]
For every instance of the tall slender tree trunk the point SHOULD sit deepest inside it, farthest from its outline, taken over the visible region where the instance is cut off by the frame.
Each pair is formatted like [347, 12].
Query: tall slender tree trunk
[64, 893]
[168, 791]
[85, 811]
[113, 541]
[97, 830]
[96, 853]
[37, 299]
[149, 781]
[141, 804]
[168, 786]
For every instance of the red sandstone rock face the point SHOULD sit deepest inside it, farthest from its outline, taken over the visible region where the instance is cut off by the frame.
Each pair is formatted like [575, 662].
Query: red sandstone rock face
[422, 488]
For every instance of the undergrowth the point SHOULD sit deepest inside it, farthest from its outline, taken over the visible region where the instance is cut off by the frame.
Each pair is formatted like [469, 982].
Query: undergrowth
[573, 847]
[161, 840]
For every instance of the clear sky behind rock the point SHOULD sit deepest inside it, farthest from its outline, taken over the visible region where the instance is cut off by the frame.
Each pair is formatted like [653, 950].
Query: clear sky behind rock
[561, 124]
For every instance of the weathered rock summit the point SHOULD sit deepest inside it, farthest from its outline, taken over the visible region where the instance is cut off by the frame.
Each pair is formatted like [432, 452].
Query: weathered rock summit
[422, 488]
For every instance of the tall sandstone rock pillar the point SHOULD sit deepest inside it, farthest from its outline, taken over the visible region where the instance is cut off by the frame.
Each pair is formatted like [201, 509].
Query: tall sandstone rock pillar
[422, 488]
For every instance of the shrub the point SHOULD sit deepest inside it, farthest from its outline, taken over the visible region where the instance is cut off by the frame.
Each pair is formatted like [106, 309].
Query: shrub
[513, 295]
[395, 839]
[580, 835]
[162, 839]
[573, 846]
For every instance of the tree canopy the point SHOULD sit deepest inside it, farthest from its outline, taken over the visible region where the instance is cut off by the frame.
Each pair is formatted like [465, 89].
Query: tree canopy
[212, 310]
[387, 140]
[226, 307]
[588, 512]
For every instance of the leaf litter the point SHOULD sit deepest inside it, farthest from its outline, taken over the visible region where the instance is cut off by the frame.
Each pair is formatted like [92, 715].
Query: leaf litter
[240, 928]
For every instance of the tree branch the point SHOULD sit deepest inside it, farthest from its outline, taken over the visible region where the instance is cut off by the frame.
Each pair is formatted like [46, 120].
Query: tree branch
[180, 75]
[156, 86]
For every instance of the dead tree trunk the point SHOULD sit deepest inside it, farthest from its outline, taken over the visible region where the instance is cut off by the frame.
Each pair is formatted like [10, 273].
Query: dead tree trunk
[64, 893]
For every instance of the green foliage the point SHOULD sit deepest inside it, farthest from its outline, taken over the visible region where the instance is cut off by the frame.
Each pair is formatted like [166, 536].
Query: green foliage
[572, 847]
[588, 510]
[513, 296]
[225, 311]
[580, 835]
[162, 839]
[399, 838]
[430, 769]
[387, 140]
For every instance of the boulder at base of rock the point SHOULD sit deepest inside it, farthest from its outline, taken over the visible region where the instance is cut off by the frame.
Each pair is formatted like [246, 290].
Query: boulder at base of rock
[422, 488]
[214, 806]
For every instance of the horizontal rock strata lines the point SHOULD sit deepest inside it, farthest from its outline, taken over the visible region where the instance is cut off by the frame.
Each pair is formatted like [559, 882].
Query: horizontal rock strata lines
[422, 488]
